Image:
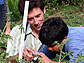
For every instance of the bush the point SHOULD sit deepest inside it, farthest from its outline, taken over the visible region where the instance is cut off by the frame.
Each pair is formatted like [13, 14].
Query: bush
[13, 7]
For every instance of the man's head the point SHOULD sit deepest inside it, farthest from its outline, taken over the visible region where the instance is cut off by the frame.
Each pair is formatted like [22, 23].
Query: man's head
[32, 4]
[35, 13]
[53, 29]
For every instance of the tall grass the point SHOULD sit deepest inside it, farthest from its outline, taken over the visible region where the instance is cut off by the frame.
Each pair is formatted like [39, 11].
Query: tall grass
[13, 7]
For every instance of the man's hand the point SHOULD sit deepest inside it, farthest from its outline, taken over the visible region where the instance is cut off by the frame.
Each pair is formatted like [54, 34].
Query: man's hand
[27, 53]
[45, 58]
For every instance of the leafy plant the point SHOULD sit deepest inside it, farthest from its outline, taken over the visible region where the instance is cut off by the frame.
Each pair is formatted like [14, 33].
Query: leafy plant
[13, 7]
[3, 42]
[62, 55]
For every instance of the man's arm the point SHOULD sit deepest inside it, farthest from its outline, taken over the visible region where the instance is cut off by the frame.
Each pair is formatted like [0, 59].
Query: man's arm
[45, 58]
[48, 53]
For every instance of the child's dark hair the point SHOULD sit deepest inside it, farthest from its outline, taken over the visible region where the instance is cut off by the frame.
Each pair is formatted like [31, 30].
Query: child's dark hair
[32, 4]
[53, 29]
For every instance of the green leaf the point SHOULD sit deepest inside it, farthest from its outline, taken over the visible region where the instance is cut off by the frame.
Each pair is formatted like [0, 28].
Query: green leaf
[56, 42]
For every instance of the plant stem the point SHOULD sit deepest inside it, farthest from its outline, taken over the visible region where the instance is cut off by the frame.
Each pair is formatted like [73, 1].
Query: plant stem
[4, 29]
[60, 55]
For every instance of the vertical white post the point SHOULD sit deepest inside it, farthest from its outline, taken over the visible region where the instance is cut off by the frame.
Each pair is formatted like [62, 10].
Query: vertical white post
[24, 26]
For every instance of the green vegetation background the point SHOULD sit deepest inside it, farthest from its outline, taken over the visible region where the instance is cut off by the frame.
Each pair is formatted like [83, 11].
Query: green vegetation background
[69, 10]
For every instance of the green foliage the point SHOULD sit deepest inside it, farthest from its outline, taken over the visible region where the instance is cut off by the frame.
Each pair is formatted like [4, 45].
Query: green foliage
[70, 14]
[2, 56]
[61, 57]
[8, 15]
[22, 28]
[15, 15]
[50, 3]
[3, 45]
[3, 42]
[73, 2]
[55, 3]
[13, 7]
[61, 45]
[79, 58]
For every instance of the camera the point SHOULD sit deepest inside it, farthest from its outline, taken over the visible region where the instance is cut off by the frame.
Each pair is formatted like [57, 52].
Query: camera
[35, 53]
[35, 57]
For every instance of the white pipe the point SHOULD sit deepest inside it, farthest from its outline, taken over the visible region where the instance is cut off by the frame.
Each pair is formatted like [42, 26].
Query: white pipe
[24, 26]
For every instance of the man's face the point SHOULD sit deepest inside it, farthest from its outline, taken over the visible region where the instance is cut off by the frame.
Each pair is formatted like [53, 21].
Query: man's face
[54, 48]
[36, 18]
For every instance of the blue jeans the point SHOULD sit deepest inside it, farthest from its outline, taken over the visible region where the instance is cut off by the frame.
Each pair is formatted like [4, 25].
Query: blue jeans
[1, 9]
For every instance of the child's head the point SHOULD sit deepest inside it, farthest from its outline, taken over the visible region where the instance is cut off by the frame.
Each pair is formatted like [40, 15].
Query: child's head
[53, 29]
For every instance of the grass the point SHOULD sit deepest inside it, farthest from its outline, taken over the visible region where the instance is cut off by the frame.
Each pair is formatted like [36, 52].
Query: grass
[70, 14]
[13, 7]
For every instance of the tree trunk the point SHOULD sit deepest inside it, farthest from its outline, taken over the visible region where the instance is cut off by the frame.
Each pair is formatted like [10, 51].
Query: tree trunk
[83, 6]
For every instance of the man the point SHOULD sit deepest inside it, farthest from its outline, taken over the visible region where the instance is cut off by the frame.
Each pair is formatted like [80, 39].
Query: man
[35, 21]
[54, 29]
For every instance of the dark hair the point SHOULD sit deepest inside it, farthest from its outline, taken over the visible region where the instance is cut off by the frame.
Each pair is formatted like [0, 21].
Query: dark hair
[32, 4]
[53, 29]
